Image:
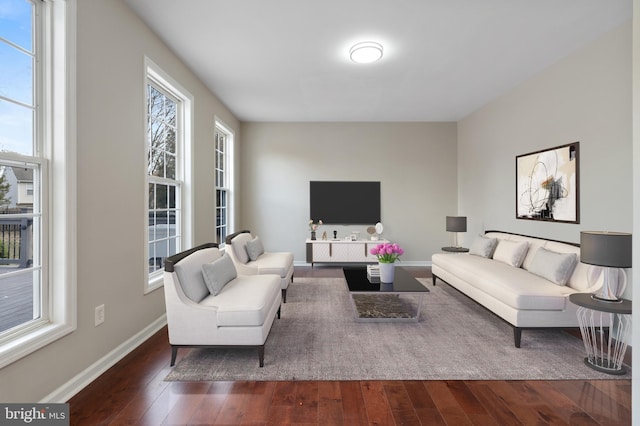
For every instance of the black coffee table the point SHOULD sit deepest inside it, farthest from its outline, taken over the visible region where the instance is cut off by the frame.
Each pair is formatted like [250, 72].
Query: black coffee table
[375, 301]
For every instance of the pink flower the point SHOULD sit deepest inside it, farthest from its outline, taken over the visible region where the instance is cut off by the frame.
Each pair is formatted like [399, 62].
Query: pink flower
[387, 253]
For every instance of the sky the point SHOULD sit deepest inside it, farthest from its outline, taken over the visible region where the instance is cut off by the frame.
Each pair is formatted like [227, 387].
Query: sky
[16, 76]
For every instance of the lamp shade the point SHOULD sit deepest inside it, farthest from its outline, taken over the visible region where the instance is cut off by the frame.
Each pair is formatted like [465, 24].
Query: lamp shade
[612, 249]
[456, 223]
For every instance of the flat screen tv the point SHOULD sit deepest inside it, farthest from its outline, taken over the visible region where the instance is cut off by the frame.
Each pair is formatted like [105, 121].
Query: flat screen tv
[345, 203]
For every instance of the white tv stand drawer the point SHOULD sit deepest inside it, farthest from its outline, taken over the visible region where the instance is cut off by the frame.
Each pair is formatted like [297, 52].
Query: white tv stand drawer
[341, 251]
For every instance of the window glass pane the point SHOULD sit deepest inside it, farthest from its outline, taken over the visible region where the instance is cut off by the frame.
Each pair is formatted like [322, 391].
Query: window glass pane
[170, 171]
[170, 113]
[152, 196]
[172, 197]
[154, 261]
[16, 130]
[19, 283]
[16, 71]
[161, 197]
[16, 22]
[16, 299]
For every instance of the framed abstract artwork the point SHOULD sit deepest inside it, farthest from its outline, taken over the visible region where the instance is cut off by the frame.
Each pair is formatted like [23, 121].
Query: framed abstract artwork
[548, 184]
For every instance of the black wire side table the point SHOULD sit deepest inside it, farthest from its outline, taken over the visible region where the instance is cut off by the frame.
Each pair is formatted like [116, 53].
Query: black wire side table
[605, 351]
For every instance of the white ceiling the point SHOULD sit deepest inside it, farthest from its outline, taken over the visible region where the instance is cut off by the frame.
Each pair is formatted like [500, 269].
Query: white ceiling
[287, 60]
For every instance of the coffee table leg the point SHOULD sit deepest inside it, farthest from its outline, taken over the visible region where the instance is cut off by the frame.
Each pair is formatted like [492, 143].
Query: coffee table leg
[419, 308]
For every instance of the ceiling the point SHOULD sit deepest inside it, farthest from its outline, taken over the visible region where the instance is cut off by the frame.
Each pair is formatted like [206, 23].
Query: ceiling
[288, 60]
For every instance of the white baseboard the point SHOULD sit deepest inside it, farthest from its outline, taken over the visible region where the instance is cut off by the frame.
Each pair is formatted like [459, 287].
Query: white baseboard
[65, 392]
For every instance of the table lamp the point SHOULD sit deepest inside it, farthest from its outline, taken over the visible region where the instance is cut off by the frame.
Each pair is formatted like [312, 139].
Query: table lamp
[609, 250]
[456, 224]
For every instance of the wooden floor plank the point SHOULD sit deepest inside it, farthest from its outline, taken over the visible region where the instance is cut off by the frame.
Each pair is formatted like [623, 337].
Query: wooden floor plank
[330, 404]
[448, 406]
[401, 406]
[376, 403]
[353, 406]
[211, 406]
[496, 406]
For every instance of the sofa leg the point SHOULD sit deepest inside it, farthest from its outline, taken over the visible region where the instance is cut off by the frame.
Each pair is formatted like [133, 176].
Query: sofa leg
[261, 355]
[433, 277]
[279, 308]
[517, 335]
[174, 354]
[284, 295]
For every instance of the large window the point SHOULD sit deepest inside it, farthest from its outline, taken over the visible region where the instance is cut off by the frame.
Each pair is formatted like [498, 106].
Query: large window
[37, 214]
[167, 129]
[224, 182]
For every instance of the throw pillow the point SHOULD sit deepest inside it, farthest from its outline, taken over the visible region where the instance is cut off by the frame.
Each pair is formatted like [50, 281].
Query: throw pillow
[254, 248]
[511, 252]
[483, 246]
[218, 273]
[554, 266]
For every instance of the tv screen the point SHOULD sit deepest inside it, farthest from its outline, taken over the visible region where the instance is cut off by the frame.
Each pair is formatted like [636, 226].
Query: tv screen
[345, 203]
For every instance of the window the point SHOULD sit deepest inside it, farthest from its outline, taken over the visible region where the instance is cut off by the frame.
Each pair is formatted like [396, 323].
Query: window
[167, 130]
[37, 140]
[224, 182]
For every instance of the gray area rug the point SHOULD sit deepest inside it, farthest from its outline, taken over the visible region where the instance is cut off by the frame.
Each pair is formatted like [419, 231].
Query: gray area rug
[456, 339]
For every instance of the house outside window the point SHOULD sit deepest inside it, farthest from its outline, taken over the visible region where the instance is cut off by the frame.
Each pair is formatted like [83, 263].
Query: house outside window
[167, 129]
[37, 140]
[223, 181]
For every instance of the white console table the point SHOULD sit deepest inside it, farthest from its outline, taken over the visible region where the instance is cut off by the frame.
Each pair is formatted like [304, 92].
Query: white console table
[341, 251]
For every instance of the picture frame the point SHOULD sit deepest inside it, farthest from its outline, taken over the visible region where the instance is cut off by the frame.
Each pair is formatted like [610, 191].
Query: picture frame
[548, 184]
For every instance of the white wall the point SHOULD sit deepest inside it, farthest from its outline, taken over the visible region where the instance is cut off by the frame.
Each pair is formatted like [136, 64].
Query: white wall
[111, 44]
[586, 97]
[415, 163]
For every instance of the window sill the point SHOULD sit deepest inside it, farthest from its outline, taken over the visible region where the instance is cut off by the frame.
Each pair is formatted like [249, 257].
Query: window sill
[30, 342]
[154, 284]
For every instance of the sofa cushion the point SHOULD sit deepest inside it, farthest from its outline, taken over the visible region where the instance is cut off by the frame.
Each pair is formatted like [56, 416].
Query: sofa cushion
[554, 266]
[511, 252]
[189, 273]
[277, 263]
[254, 248]
[245, 301]
[218, 273]
[483, 246]
[239, 246]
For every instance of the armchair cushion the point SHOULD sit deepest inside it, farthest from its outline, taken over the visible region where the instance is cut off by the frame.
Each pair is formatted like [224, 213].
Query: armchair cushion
[255, 248]
[277, 263]
[239, 246]
[218, 273]
[245, 301]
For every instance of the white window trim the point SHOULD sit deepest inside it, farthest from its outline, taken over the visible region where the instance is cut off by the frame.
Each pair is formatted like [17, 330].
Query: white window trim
[59, 209]
[153, 73]
[230, 173]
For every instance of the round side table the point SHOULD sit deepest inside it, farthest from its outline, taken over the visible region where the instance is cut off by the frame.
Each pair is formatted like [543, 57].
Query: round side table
[605, 351]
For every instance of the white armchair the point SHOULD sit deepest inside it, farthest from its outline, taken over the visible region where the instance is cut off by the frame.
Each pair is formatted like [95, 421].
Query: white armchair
[250, 258]
[209, 305]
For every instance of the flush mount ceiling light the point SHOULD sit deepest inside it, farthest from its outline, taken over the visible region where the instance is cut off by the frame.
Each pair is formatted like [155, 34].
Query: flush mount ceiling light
[366, 52]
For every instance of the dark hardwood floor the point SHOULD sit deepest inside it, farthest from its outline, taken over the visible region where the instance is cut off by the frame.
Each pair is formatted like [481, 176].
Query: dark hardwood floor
[134, 392]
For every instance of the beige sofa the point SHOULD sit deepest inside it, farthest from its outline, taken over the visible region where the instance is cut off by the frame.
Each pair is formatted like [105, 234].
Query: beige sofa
[237, 312]
[525, 287]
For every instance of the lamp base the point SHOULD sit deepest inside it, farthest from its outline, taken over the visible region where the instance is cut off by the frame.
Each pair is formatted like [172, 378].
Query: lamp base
[602, 299]
[614, 282]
